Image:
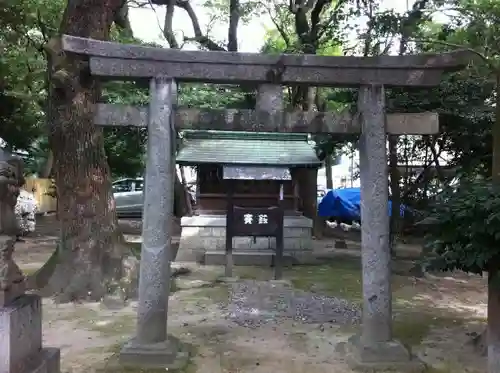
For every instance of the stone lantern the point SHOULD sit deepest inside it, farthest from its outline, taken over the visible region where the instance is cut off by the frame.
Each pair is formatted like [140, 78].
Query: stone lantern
[21, 347]
[12, 281]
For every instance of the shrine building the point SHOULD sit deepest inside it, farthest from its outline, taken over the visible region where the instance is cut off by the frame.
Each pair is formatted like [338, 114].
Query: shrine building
[256, 168]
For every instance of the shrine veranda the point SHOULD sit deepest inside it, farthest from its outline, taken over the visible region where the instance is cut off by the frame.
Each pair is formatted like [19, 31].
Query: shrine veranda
[375, 346]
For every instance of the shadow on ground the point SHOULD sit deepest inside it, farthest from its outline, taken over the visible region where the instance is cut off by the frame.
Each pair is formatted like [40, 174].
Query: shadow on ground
[431, 316]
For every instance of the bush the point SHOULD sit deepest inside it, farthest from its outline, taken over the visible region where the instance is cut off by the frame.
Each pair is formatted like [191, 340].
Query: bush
[465, 233]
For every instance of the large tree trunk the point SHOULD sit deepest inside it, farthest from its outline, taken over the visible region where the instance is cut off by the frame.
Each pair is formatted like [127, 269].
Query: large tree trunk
[88, 262]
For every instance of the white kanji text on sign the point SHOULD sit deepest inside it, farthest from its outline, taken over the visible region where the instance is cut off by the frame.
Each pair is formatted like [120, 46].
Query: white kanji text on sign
[248, 219]
[263, 219]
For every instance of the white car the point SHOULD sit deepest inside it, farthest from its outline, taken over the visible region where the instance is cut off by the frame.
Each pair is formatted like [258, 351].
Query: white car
[129, 197]
[26, 209]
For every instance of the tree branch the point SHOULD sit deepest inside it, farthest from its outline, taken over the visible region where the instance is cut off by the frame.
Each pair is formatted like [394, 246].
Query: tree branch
[333, 19]
[368, 35]
[234, 19]
[168, 32]
[279, 27]
[42, 26]
[483, 57]
[316, 17]
[303, 5]
[137, 5]
[122, 20]
[199, 37]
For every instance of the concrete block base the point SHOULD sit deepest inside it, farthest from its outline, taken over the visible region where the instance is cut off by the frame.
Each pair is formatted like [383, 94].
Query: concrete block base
[21, 338]
[203, 239]
[171, 354]
[391, 356]
[246, 258]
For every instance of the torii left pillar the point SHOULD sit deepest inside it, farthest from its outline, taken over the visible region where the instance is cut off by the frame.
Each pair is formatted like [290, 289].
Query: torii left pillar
[152, 346]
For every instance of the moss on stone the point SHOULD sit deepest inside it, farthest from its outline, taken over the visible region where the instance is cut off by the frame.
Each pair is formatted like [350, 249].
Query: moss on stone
[112, 364]
[116, 368]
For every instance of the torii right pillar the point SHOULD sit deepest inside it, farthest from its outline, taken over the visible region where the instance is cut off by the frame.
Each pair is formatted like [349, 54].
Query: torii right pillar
[375, 348]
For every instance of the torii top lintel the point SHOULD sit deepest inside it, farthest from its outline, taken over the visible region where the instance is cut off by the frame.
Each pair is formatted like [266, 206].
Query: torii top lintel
[126, 61]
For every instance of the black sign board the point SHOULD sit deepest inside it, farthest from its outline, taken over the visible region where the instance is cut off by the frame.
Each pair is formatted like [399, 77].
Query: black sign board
[253, 221]
[256, 222]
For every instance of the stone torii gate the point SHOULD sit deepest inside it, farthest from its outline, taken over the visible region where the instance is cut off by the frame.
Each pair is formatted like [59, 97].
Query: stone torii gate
[375, 346]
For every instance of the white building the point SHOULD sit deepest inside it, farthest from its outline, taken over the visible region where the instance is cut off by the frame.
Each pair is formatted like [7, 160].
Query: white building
[343, 174]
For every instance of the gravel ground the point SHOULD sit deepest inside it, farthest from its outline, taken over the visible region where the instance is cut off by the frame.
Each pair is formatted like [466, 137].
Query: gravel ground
[255, 303]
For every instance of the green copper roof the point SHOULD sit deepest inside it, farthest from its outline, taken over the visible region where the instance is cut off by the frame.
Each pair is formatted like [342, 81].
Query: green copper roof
[246, 148]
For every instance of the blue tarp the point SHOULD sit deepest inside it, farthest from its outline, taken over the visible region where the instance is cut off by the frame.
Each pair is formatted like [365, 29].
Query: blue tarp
[344, 203]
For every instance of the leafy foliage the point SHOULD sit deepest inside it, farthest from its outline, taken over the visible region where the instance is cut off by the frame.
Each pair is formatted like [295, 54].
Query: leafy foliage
[24, 25]
[211, 96]
[464, 234]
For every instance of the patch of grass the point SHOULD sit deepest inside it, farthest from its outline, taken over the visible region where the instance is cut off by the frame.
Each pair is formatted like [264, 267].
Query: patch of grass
[207, 335]
[79, 314]
[447, 369]
[341, 279]
[115, 326]
[253, 273]
[218, 293]
[298, 340]
[237, 361]
[411, 326]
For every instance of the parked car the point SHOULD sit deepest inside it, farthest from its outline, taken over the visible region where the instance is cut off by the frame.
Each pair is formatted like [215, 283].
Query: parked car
[25, 210]
[129, 197]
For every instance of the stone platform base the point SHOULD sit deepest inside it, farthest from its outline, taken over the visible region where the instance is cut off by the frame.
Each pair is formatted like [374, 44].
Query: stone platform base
[203, 239]
[389, 356]
[21, 339]
[169, 355]
[247, 258]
